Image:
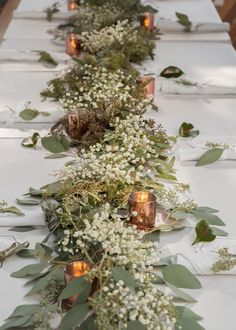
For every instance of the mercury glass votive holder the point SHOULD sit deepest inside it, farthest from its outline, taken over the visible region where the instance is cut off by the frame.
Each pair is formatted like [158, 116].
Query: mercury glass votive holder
[72, 45]
[147, 21]
[74, 270]
[142, 209]
[149, 84]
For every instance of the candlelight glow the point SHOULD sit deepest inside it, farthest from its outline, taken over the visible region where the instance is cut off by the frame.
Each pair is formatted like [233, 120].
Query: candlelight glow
[77, 269]
[147, 21]
[72, 5]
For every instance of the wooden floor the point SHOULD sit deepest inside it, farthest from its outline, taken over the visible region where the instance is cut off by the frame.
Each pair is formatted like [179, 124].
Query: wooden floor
[6, 15]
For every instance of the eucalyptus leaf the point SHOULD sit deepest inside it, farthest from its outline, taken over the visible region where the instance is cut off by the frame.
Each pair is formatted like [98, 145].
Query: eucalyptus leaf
[11, 209]
[204, 232]
[26, 253]
[29, 114]
[35, 192]
[30, 270]
[180, 277]
[45, 57]
[186, 130]
[171, 72]
[55, 143]
[210, 218]
[120, 274]
[31, 141]
[56, 156]
[206, 209]
[22, 229]
[73, 288]
[27, 201]
[153, 237]
[53, 188]
[24, 310]
[43, 282]
[43, 250]
[181, 294]
[187, 319]
[218, 232]
[84, 294]
[186, 313]
[184, 20]
[74, 317]
[210, 156]
[187, 324]
[16, 322]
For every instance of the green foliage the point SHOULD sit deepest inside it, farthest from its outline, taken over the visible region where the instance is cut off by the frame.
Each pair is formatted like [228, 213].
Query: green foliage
[74, 317]
[55, 143]
[31, 141]
[120, 274]
[180, 277]
[210, 156]
[171, 72]
[46, 58]
[184, 20]
[11, 209]
[186, 130]
[204, 232]
[50, 11]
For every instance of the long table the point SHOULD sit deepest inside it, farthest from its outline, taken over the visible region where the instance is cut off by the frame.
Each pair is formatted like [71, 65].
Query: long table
[214, 185]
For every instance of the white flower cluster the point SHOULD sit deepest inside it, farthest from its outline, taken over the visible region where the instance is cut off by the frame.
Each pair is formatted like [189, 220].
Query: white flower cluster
[89, 18]
[125, 158]
[105, 38]
[97, 87]
[147, 305]
[122, 244]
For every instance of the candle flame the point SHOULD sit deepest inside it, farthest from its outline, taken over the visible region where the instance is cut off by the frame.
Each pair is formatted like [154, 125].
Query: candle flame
[79, 268]
[74, 42]
[147, 22]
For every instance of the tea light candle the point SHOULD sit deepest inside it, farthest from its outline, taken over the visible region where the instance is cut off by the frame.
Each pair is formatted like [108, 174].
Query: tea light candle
[147, 21]
[149, 84]
[72, 45]
[74, 270]
[72, 4]
[142, 209]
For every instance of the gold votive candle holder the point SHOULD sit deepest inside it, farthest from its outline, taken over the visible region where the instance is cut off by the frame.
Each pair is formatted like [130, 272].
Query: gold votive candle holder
[149, 84]
[72, 4]
[142, 209]
[72, 45]
[147, 21]
[74, 270]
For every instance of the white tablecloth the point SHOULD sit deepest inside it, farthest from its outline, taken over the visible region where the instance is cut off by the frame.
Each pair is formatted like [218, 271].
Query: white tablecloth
[214, 185]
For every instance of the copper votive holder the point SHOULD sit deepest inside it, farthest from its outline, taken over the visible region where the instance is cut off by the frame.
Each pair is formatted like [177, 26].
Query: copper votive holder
[142, 209]
[149, 84]
[72, 4]
[72, 45]
[74, 270]
[147, 21]
[73, 125]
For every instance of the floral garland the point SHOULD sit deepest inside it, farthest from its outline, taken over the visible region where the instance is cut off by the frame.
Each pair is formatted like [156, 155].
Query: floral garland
[125, 287]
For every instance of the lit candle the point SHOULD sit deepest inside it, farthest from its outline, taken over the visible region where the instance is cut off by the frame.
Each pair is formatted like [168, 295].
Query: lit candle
[72, 44]
[142, 209]
[149, 84]
[72, 4]
[147, 21]
[74, 270]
